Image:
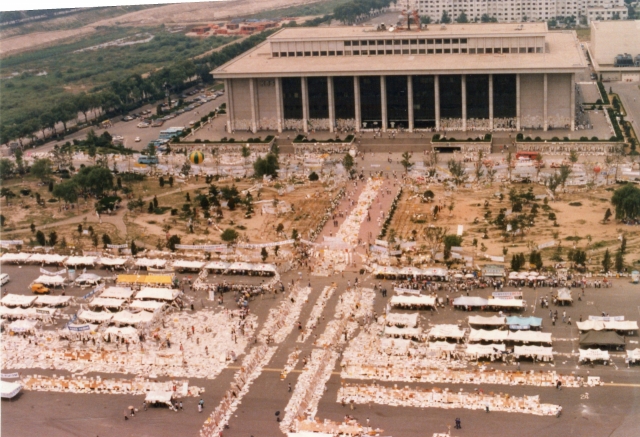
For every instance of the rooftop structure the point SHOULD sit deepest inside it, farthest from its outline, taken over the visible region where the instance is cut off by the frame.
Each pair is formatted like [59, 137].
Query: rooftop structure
[610, 40]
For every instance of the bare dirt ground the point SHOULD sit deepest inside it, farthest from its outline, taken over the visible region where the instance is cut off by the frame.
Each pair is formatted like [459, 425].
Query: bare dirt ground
[582, 224]
[175, 14]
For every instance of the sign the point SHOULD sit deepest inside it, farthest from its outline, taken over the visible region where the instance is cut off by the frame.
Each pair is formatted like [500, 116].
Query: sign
[379, 249]
[507, 294]
[48, 273]
[547, 244]
[11, 242]
[94, 291]
[607, 319]
[382, 243]
[39, 311]
[407, 291]
[117, 246]
[79, 328]
[519, 327]
[261, 245]
[460, 229]
[9, 375]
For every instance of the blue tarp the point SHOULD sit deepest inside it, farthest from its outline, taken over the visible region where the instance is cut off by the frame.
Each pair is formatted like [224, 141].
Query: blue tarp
[530, 321]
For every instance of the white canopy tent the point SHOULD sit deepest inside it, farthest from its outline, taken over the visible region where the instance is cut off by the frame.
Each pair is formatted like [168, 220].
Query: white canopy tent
[159, 397]
[166, 294]
[506, 303]
[442, 346]
[392, 331]
[410, 320]
[77, 332]
[593, 355]
[22, 326]
[117, 293]
[613, 325]
[44, 314]
[446, 331]
[217, 265]
[106, 302]
[486, 335]
[126, 318]
[537, 352]
[18, 300]
[487, 321]
[147, 262]
[492, 351]
[88, 278]
[9, 389]
[49, 280]
[15, 257]
[52, 301]
[633, 356]
[115, 333]
[188, 265]
[45, 258]
[147, 305]
[413, 301]
[80, 261]
[398, 345]
[530, 337]
[92, 316]
[112, 262]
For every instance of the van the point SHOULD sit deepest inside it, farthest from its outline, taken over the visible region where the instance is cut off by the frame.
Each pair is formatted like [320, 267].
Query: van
[147, 160]
[4, 278]
[39, 289]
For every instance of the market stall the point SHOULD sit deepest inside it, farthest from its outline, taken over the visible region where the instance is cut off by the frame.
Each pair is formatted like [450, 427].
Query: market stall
[593, 355]
[487, 335]
[563, 296]
[506, 303]
[52, 301]
[529, 337]
[147, 263]
[77, 332]
[540, 353]
[88, 279]
[45, 258]
[148, 280]
[126, 318]
[23, 327]
[9, 390]
[50, 281]
[217, 266]
[413, 302]
[92, 316]
[602, 339]
[491, 351]
[517, 322]
[18, 300]
[190, 266]
[106, 303]
[159, 397]
[467, 302]
[611, 325]
[117, 293]
[114, 263]
[147, 305]
[161, 294]
[15, 258]
[402, 320]
[115, 333]
[493, 321]
[406, 333]
[446, 331]
[77, 261]
[633, 356]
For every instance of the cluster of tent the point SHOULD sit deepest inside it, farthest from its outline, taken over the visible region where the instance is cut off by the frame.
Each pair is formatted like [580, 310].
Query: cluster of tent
[28, 310]
[527, 276]
[242, 268]
[410, 272]
[479, 302]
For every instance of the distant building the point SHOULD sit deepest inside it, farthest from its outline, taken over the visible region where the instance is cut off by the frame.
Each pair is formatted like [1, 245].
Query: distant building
[456, 77]
[615, 50]
[520, 10]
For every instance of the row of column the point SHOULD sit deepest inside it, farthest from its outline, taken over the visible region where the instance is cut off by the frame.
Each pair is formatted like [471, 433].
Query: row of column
[383, 103]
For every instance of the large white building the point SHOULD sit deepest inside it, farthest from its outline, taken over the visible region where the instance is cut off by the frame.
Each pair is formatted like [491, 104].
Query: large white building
[524, 10]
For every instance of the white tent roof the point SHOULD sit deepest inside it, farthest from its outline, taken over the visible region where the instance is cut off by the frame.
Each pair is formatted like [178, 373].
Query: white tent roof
[516, 303]
[147, 305]
[183, 264]
[14, 257]
[49, 280]
[480, 350]
[46, 258]
[27, 313]
[217, 265]
[391, 331]
[67, 333]
[593, 354]
[22, 325]
[564, 294]
[157, 293]
[493, 320]
[485, 335]
[163, 397]
[118, 293]
[240, 266]
[127, 332]
[80, 261]
[633, 355]
[530, 336]
[410, 320]
[48, 300]
[9, 389]
[112, 261]
[399, 345]
[446, 331]
[147, 262]
[128, 318]
[614, 325]
[413, 301]
[261, 267]
[92, 316]
[6, 312]
[472, 301]
[533, 351]
[13, 300]
[88, 278]
[106, 302]
[442, 346]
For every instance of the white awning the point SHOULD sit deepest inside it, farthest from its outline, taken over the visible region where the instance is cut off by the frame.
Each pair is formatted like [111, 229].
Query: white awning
[167, 294]
[126, 332]
[18, 300]
[147, 262]
[488, 321]
[410, 320]
[407, 301]
[46, 258]
[9, 390]
[515, 303]
[182, 264]
[446, 331]
[480, 350]
[162, 397]
[530, 336]
[92, 316]
[88, 278]
[112, 261]
[613, 325]
[392, 331]
[485, 335]
[128, 318]
[147, 305]
[217, 265]
[442, 346]
[80, 261]
[15, 257]
[52, 301]
[633, 356]
[539, 352]
[593, 355]
[49, 280]
[23, 326]
[118, 293]
[106, 302]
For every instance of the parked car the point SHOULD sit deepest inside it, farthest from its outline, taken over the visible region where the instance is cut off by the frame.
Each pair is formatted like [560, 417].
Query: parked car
[39, 289]
[4, 278]
[137, 140]
[142, 124]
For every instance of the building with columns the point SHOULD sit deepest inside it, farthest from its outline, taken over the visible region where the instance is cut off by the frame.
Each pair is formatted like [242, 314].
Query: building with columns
[462, 77]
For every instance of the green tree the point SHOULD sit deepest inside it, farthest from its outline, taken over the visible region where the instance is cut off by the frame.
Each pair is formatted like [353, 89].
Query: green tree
[462, 18]
[573, 156]
[40, 238]
[53, 238]
[406, 161]
[456, 169]
[229, 235]
[486, 18]
[626, 201]
[41, 169]
[313, 176]
[565, 172]
[348, 162]
[7, 168]
[264, 254]
[606, 261]
[445, 19]
[267, 166]
[67, 191]
[294, 234]
[172, 241]
[106, 239]
[619, 261]
[133, 247]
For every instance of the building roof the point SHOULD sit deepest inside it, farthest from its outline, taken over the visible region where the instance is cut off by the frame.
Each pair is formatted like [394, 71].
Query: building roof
[563, 55]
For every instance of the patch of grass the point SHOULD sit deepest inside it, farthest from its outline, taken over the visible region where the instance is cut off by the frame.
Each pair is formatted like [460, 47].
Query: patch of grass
[319, 8]
[584, 34]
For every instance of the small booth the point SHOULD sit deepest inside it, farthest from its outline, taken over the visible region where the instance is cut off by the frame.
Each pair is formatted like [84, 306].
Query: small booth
[519, 323]
[80, 261]
[88, 279]
[148, 263]
[18, 300]
[187, 266]
[148, 280]
[402, 320]
[591, 355]
[539, 353]
[115, 334]
[506, 303]
[147, 305]
[50, 281]
[9, 390]
[493, 321]
[15, 258]
[159, 397]
[413, 302]
[47, 300]
[485, 335]
[95, 317]
[447, 331]
[468, 302]
[608, 339]
[563, 296]
[106, 303]
[117, 293]
[23, 327]
[491, 351]
[113, 263]
[45, 258]
[77, 332]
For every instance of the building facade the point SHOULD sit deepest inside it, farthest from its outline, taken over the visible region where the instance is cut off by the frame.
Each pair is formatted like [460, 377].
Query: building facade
[472, 77]
[524, 10]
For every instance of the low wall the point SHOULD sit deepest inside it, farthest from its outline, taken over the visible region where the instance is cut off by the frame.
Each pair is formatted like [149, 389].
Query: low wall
[224, 147]
[463, 146]
[584, 147]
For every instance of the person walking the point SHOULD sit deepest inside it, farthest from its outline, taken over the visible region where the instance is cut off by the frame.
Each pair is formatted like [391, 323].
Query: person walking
[144, 405]
[289, 389]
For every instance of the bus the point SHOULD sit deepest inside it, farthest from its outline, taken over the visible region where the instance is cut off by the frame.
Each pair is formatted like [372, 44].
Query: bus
[147, 159]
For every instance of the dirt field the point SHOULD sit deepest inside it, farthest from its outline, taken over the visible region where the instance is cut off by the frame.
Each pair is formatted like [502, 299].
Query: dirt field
[577, 224]
[175, 14]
